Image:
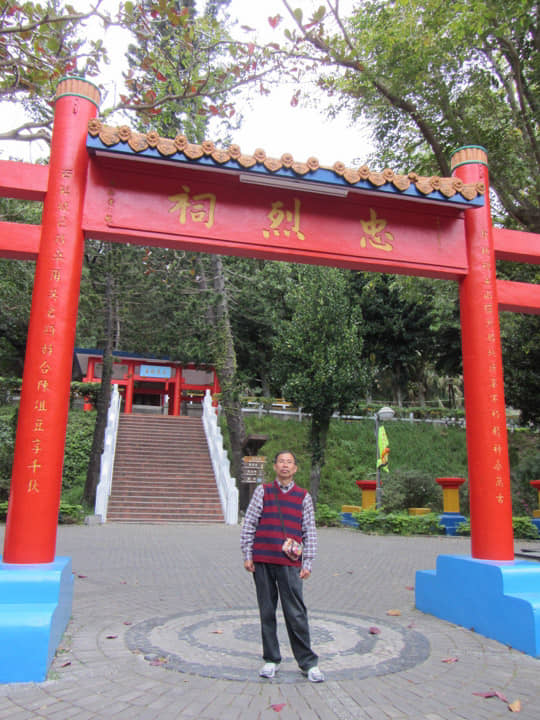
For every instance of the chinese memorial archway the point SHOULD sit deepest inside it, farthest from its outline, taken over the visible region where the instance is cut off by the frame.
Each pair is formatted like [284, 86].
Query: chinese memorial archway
[116, 185]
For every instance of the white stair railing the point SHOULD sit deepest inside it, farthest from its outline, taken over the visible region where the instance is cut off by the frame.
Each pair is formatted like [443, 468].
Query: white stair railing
[228, 492]
[107, 456]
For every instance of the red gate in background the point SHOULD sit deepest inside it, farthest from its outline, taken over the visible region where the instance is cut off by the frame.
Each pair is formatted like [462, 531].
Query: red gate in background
[116, 185]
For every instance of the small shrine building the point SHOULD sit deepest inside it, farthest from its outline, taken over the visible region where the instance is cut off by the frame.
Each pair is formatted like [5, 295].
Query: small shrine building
[148, 383]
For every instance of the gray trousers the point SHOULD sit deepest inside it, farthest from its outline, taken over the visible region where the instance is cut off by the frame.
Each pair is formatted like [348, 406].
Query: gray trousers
[271, 580]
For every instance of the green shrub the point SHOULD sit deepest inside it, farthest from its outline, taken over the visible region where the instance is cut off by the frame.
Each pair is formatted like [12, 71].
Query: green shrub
[79, 435]
[8, 423]
[525, 467]
[523, 527]
[380, 523]
[8, 387]
[325, 516]
[409, 488]
[67, 514]
[70, 514]
[81, 390]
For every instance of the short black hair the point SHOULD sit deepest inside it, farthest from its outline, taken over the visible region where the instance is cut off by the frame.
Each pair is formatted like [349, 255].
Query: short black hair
[283, 452]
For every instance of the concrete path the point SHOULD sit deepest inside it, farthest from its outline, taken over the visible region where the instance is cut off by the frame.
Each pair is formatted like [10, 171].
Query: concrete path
[165, 626]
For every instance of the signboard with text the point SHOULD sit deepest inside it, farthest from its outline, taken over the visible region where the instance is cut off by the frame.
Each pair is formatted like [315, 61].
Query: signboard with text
[253, 468]
[215, 212]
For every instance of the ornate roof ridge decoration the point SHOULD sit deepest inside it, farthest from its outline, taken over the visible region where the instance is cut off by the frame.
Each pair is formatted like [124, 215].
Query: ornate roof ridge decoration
[167, 147]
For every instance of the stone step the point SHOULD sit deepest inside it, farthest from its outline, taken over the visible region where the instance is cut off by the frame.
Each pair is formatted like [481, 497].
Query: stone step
[171, 489]
[181, 479]
[145, 505]
[158, 519]
[196, 469]
[163, 472]
[168, 491]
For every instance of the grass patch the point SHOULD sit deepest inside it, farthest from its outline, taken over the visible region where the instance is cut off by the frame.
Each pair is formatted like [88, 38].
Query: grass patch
[419, 452]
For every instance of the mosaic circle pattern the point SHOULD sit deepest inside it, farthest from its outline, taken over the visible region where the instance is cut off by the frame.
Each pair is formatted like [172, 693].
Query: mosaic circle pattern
[227, 644]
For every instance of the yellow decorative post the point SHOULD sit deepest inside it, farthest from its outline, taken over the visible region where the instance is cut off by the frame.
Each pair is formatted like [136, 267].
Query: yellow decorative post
[451, 517]
[369, 493]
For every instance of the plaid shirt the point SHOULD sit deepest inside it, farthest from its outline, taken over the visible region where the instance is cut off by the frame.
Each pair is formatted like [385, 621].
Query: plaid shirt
[253, 515]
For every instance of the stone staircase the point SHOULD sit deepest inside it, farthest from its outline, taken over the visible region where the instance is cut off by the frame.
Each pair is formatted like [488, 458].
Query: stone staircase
[163, 472]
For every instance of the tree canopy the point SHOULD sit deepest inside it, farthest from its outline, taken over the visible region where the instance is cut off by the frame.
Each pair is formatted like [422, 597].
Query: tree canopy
[431, 77]
[428, 77]
[317, 358]
[39, 44]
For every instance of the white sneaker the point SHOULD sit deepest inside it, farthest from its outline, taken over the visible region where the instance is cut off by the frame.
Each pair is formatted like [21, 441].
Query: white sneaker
[315, 675]
[269, 670]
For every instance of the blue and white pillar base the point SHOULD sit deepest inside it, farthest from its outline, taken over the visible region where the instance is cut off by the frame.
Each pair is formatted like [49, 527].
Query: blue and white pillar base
[451, 521]
[500, 600]
[35, 608]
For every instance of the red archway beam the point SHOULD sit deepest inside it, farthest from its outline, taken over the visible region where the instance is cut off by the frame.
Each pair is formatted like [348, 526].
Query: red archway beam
[518, 297]
[19, 241]
[524, 247]
[23, 181]
[516, 246]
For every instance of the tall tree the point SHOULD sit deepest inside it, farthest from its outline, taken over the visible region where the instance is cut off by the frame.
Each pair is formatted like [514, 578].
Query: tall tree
[396, 330]
[176, 74]
[318, 353]
[472, 78]
[40, 43]
[184, 64]
[104, 395]
[257, 306]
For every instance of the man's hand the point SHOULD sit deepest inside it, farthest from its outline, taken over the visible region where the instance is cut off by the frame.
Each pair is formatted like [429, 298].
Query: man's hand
[249, 566]
[304, 574]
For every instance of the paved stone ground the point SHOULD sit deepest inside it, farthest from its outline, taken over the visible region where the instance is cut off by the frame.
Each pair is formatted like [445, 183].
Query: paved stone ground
[165, 626]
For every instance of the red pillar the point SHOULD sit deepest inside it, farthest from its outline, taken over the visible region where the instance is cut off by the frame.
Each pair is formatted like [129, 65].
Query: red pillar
[128, 407]
[215, 390]
[487, 445]
[39, 451]
[89, 378]
[177, 391]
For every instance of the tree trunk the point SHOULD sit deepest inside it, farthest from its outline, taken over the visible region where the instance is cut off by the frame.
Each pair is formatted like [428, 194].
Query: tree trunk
[320, 424]
[103, 399]
[226, 368]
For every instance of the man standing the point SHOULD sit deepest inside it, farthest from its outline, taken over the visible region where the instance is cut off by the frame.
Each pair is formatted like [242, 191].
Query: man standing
[278, 510]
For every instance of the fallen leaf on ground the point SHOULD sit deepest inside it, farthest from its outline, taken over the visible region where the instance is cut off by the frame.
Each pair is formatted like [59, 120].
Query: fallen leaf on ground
[515, 706]
[374, 630]
[278, 707]
[450, 660]
[394, 613]
[490, 694]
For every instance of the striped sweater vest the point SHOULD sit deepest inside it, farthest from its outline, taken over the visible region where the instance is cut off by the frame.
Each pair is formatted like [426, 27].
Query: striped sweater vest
[269, 534]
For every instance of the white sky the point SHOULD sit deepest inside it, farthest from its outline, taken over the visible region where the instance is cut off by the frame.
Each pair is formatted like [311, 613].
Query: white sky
[270, 122]
[273, 123]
